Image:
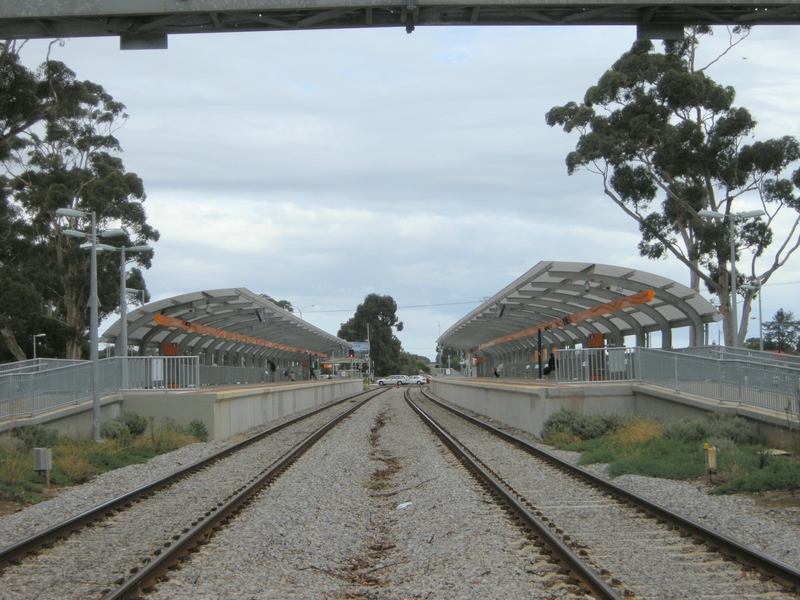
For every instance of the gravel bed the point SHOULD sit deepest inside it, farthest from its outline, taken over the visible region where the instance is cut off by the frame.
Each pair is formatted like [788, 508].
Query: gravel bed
[75, 500]
[377, 509]
[772, 531]
[650, 560]
[89, 563]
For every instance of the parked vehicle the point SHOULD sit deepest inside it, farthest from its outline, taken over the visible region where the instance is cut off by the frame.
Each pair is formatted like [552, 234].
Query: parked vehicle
[418, 379]
[393, 380]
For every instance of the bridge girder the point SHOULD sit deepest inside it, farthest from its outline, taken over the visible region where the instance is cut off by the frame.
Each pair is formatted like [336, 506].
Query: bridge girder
[147, 23]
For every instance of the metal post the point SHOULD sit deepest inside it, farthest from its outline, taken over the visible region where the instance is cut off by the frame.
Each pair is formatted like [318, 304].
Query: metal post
[734, 303]
[539, 351]
[760, 321]
[93, 350]
[123, 317]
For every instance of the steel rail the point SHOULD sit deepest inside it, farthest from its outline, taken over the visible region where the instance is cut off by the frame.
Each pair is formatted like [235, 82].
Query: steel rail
[785, 574]
[198, 535]
[582, 572]
[30, 546]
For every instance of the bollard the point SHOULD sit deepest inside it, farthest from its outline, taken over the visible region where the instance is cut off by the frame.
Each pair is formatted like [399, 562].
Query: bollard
[711, 459]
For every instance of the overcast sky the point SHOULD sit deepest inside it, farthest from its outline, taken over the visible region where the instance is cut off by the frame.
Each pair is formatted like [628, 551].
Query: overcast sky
[322, 166]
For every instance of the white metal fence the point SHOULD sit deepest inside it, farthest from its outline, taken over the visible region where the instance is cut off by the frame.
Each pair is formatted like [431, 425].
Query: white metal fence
[26, 392]
[749, 380]
[223, 375]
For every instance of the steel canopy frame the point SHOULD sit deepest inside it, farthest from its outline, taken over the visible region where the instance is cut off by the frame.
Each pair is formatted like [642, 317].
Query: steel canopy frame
[554, 290]
[147, 23]
[237, 311]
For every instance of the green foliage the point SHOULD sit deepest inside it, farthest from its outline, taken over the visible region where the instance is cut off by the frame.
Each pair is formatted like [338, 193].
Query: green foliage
[197, 429]
[720, 425]
[782, 332]
[780, 473]
[36, 436]
[668, 142]
[114, 430]
[450, 357]
[58, 150]
[378, 314]
[585, 427]
[135, 423]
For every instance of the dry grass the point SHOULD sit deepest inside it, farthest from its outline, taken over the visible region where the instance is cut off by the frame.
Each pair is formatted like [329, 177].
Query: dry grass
[634, 432]
[78, 469]
[168, 440]
[561, 438]
[14, 463]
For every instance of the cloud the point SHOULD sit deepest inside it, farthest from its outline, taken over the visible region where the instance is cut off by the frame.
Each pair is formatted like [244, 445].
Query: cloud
[321, 166]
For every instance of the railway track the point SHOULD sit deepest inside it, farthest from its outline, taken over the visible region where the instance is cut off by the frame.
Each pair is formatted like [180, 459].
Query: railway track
[616, 544]
[165, 519]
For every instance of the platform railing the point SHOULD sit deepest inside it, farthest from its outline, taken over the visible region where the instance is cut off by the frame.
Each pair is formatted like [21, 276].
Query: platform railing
[747, 381]
[232, 375]
[723, 352]
[35, 365]
[26, 393]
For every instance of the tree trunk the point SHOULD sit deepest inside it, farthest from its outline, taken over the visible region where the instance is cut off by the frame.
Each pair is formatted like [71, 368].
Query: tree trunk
[11, 342]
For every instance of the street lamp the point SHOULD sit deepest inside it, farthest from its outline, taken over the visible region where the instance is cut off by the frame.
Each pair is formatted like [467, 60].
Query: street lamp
[300, 310]
[760, 322]
[123, 302]
[137, 292]
[93, 302]
[720, 216]
[38, 335]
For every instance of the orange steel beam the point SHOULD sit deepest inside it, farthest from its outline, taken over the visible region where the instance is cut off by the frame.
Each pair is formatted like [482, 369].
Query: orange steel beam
[228, 335]
[613, 306]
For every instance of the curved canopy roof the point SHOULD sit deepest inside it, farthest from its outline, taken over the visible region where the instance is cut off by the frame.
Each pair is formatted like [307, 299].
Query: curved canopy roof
[555, 290]
[229, 318]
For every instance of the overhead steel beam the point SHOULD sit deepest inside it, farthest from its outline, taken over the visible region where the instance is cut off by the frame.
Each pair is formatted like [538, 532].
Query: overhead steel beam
[147, 23]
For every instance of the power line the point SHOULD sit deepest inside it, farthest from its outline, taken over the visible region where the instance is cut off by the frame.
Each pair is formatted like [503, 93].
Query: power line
[347, 310]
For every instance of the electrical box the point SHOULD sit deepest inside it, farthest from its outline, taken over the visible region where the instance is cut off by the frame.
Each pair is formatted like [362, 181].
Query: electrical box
[41, 459]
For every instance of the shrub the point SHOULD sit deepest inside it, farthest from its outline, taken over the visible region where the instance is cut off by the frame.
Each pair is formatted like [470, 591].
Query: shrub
[634, 430]
[687, 430]
[136, 423]
[197, 429]
[723, 445]
[739, 430]
[585, 427]
[36, 436]
[76, 468]
[114, 430]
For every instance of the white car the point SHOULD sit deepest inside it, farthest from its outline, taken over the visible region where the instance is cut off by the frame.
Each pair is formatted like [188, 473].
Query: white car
[417, 379]
[393, 380]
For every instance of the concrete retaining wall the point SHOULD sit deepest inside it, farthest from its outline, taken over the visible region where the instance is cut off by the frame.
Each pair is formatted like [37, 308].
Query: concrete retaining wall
[73, 420]
[225, 412]
[527, 407]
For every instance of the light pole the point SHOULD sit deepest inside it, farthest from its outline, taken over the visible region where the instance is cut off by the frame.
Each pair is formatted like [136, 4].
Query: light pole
[760, 322]
[38, 335]
[135, 291]
[122, 341]
[93, 302]
[123, 302]
[300, 310]
[743, 215]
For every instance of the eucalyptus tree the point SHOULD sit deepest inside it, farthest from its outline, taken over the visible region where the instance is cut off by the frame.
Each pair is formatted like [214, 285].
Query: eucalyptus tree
[375, 319]
[668, 142]
[63, 155]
